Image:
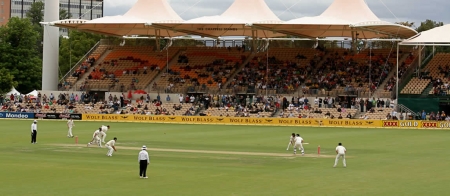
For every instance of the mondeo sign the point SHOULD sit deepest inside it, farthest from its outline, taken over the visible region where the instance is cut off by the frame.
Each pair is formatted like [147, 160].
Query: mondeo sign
[19, 115]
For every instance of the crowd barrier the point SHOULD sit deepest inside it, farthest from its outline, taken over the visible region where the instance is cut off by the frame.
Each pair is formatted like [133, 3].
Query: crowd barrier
[416, 124]
[24, 115]
[19, 115]
[57, 116]
[236, 120]
[233, 120]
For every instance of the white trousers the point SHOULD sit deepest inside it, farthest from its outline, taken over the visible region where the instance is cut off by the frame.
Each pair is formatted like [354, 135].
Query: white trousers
[97, 140]
[110, 150]
[103, 136]
[299, 146]
[69, 133]
[338, 156]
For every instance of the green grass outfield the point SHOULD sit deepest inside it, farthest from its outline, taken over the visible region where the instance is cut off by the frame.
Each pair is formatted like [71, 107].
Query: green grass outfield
[221, 160]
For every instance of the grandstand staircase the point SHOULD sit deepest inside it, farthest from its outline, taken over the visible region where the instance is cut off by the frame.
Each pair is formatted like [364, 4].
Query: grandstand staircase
[403, 109]
[249, 58]
[391, 74]
[80, 81]
[427, 90]
[164, 70]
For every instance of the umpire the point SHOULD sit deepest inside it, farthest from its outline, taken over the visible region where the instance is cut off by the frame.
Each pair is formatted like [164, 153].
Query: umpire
[144, 160]
[34, 132]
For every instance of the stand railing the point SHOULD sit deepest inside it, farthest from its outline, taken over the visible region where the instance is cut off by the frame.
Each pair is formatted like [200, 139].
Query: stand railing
[72, 70]
[402, 108]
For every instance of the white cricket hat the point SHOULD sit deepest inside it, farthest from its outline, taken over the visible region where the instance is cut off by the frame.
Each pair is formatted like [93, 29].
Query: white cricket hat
[35, 121]
[144, 147]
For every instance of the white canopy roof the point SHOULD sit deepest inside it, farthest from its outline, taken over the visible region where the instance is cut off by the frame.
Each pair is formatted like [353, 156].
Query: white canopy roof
[340, 19]
[235, 21]
[435, 36]
[343, 18]
[131, 23]
[13, 92]
[33, 93]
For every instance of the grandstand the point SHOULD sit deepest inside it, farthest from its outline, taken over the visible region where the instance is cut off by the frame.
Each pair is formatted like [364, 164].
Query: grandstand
[122, 68]
[201, 68]
[233, 70]
[435, 73]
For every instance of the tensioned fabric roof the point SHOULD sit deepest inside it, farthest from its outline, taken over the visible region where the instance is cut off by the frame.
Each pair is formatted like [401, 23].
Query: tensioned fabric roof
[131, 23]
[435, 36]
[343, 18]
[233, 22]
[340, 19]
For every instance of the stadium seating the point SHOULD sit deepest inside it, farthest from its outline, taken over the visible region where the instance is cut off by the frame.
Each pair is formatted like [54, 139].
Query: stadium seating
[214, 111]
[71, 80]
[378, 113]
[436, 69]
[205, 66]
[97, 108]
[129, 68]
[315, 112]
[416, 86]
[286, 67]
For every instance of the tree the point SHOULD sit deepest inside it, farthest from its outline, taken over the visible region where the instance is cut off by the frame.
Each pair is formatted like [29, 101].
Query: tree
[6, 81]
[19, 54]
[36, 15]
[71, 50]
[63, 14]
[428, 24]
[407, 23]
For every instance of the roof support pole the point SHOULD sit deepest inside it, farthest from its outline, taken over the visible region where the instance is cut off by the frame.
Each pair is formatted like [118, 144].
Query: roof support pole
[50, 65]
[253, 41]
[420, 58]
[397, 79]
[157, 35]
[353, 41]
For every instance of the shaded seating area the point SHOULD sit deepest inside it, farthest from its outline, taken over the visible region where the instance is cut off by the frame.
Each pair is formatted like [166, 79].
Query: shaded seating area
[199, 68]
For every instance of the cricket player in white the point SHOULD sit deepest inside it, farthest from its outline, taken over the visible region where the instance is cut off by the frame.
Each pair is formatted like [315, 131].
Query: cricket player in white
[70, 125]
[291, 141]
[299, 144]
[96, 138]
[111, 145]
[103, 133]
[340, 151]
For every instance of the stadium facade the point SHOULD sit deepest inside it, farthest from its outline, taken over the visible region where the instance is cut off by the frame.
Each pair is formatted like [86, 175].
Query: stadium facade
[78, 9]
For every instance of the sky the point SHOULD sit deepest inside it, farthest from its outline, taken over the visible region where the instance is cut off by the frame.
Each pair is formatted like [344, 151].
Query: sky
[387, 10]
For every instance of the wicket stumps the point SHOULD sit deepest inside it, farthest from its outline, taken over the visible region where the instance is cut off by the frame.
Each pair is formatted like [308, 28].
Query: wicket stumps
[76, 139]
[318, 150]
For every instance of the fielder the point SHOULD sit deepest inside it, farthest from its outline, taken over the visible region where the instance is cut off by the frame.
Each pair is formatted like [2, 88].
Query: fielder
[340, 151]
[103, 133]
[111, 145]
[70, 125]
[299, 145]
[291, 141]
[96, 138]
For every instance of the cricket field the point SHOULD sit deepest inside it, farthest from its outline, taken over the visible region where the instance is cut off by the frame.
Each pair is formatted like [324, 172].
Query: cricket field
[221, 160]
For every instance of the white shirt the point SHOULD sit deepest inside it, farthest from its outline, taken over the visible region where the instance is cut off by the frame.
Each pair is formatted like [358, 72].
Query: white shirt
[111, 143]
[70, 123]
[299, 140]
[292, 139]
[143, 155]
[33, 127]
[340, 149]
[104, 128]
[96, 132]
